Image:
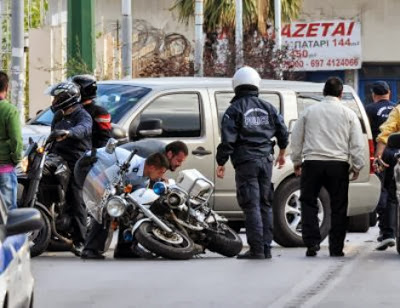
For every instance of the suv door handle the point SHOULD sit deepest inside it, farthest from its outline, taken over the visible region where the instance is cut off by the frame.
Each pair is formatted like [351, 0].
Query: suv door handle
[200, 151]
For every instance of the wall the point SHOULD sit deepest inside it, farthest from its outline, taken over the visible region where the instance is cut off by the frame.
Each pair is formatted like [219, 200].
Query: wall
[379, 23]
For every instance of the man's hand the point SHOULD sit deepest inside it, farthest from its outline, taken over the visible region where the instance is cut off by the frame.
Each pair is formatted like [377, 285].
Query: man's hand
[281, 161]
[297, 170]
[379, 165]
[221, 172]
[355, 173]
[63, 137]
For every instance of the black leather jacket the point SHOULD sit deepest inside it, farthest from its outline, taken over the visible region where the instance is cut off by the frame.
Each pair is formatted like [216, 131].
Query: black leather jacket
[247, 128]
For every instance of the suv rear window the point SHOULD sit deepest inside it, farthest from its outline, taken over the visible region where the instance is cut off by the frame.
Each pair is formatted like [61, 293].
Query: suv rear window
[306, 99]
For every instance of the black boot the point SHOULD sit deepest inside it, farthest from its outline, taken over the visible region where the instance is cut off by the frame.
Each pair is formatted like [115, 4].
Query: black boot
[267, 252]
[251, 255]
[92, 255]
[312, 251]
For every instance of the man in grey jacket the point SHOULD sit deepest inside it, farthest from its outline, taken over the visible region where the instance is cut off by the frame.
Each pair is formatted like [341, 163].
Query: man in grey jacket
[329, 138]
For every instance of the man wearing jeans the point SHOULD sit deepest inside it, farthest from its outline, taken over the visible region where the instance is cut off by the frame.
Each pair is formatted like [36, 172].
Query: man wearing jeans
[10, 145]
[328, 137]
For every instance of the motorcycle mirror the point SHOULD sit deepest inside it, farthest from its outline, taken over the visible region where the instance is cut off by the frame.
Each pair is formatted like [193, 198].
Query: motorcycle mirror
[111, 145]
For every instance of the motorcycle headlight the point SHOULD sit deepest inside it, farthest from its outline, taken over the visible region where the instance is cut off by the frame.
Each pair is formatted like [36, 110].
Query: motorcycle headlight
[116, 206]
[159, 188]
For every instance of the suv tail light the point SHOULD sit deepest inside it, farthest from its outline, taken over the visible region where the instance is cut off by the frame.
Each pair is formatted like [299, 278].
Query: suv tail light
[371, 156]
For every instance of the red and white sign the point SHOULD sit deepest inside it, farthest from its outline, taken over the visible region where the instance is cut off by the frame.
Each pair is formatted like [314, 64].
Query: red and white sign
[324, 45]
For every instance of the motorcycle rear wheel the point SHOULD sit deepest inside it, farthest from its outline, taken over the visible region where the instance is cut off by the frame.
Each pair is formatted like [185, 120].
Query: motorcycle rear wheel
[40, 239]
[226, 242]
[176, 246]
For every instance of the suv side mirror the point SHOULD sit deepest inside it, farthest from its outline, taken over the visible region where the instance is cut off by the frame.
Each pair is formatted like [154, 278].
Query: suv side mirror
[23, 221]
[118, 132]
[149, 128]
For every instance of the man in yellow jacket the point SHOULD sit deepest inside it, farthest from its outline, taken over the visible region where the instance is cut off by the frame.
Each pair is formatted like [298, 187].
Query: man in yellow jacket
[383, 155]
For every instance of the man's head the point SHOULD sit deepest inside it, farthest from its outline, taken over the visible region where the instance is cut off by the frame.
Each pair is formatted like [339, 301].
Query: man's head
[246, 78]
[156, 165]
[65, 96]
[88, 87]
[176, 152]
[333, 87]
[3, 85]
[380, 91]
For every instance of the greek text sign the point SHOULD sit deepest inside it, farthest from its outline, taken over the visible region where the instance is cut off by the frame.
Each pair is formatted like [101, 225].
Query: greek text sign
[324, 45]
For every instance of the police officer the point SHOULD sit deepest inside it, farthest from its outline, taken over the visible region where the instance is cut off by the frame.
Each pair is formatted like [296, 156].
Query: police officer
[142, 171]
[101, 118]
[378, 112]
[77, 124]
[248, 126]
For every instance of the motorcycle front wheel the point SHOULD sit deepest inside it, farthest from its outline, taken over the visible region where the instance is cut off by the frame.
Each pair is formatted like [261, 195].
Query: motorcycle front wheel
[225, 241]
[39, 240]
[175, 246]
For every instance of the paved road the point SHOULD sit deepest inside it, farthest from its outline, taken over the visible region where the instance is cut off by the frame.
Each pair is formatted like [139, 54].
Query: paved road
[364, 278]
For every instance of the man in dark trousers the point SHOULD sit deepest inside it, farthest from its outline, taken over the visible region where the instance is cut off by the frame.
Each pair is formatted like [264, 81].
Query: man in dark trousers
[101, 131]
[176, 152]
[77, 124]
[378, 112]
[247, 128]
[328, 137]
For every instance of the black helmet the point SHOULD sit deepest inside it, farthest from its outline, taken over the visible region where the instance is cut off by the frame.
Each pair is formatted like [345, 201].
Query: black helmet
[66, 94]
[87, 84]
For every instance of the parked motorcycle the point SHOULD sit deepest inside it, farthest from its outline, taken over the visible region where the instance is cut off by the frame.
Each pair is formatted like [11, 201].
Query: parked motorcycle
[186, 204]
[44, 179]
[108, 194]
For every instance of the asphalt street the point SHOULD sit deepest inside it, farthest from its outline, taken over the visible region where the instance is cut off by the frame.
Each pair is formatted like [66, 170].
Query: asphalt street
[364, 278]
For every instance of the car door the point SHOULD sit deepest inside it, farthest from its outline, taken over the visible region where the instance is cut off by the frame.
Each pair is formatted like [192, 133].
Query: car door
[225, 190]
[185, 116]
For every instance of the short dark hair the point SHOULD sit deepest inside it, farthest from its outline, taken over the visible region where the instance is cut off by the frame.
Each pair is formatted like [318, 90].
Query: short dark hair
[3, 81]
[158, 160]
[333, 87]
[176, 147]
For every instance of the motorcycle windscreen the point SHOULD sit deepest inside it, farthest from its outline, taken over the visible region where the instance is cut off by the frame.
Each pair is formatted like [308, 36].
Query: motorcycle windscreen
[98, 182]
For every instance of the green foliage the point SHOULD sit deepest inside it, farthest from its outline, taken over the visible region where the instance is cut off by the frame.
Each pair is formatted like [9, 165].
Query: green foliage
[221, 13]
[33, 14]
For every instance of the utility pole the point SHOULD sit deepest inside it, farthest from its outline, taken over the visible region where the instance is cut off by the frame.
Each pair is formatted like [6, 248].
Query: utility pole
[278, 34]
[17, 56]
[126, 33]
[199, 45]
[278, 24]
[239, 34]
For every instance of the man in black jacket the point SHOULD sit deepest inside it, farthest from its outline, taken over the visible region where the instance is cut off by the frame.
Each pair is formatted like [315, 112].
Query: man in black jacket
[77, 124]
[247, 128]
[101, 118]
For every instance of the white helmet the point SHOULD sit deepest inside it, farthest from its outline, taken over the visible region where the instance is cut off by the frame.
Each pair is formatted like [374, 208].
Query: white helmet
[246, 76]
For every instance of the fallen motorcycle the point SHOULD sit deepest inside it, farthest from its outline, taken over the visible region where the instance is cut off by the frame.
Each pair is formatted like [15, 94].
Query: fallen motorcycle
[107, 194]
[185, 203]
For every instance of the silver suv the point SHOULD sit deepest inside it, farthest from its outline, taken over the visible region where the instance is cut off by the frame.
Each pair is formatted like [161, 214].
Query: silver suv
[190, 109]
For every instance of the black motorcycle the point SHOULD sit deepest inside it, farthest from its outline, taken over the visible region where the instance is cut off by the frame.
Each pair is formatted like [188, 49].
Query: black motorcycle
[43, 184]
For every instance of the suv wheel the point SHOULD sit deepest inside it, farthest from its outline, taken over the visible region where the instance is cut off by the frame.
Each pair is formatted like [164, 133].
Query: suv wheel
[287, 213]
[359, 223]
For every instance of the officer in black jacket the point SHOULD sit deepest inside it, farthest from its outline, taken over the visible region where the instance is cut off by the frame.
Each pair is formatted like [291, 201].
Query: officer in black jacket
[247, 128]
[101, 118]
[77, 124]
